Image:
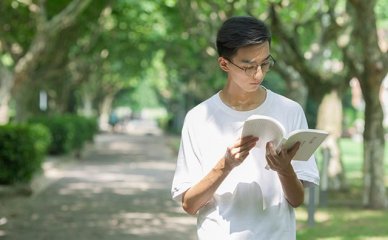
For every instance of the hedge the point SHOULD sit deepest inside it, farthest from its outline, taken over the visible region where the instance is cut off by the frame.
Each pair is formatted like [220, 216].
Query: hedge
[69, 132]
[22, 150]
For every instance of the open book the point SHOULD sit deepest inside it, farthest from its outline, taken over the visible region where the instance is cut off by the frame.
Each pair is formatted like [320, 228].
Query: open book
[269, 129]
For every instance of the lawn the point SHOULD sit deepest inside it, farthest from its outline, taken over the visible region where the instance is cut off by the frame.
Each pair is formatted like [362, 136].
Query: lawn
[342, 223]
[344, 218]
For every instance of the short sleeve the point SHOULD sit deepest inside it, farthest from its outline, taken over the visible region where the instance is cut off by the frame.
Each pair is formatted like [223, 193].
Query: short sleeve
[307, 171]
[188, 168]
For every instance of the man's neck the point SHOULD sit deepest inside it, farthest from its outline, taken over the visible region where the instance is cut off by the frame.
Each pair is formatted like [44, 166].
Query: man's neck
[243, 101]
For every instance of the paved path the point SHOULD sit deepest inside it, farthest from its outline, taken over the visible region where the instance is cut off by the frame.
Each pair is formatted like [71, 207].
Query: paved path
[119, 190]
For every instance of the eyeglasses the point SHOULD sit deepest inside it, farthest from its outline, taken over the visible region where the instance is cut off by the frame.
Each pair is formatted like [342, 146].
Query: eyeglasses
[264, 66]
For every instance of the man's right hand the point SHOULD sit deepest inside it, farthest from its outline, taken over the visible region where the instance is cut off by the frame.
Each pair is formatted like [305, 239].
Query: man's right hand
[201, 193]
[239, 151]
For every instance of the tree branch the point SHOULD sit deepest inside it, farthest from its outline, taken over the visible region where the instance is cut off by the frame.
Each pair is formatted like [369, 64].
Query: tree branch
[67, 16]
[364, 24]
[282, 34]
[331, 31]
[41, 16]
[292, 55]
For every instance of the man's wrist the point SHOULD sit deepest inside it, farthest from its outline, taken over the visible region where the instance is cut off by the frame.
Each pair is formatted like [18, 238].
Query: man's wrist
[224, 166]
[287, 172]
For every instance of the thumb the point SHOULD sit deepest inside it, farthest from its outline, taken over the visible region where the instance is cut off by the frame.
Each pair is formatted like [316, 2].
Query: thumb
[292, 151]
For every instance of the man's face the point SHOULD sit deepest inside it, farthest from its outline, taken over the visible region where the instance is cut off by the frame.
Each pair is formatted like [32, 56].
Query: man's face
[249, 66]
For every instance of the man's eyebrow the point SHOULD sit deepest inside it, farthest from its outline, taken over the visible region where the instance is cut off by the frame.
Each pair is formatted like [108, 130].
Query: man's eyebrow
[251, 62]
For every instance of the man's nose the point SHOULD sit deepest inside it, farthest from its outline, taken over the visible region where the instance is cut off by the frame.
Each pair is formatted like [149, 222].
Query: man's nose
[259, 74]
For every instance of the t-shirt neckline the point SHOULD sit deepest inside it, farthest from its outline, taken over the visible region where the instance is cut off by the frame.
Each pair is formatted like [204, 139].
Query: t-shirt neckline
[261, 108]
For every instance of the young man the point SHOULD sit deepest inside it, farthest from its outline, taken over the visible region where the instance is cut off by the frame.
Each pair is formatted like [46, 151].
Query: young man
[222, 176]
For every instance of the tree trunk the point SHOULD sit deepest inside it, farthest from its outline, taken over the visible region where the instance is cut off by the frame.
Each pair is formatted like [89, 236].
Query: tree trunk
[296, 89]
[87, 104]
[4, 108]
[374, 195]
[5, 93]
[105, 109]
[330, 120]
[370, 65]
[47, 32]
[24, 74]
[63, 97]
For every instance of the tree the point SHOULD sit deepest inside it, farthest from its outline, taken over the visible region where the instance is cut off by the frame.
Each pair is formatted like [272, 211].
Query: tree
[43, 44]
[133, 34]
[27, 62]
[348, 38]
[5, 89]
[369, 65]
[190, 54]
[313, 42]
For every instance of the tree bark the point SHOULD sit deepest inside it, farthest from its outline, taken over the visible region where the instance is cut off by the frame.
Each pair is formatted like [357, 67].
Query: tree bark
[5, 89]
[23, 75]
[374, 194]
[87, 104]
[322, 87]
[4, 108]
[105, 109]
[47, 32]
[370, 66]
[297, 91]
[330, 120]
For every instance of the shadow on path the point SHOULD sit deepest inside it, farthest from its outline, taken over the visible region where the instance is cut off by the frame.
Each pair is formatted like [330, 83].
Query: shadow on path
[119, 190]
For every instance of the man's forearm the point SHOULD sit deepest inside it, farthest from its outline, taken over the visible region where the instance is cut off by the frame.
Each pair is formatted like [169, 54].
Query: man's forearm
[201, 193]
[292, 187]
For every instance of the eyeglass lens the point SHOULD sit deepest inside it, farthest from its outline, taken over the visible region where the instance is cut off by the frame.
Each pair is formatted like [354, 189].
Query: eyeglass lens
[265, 67]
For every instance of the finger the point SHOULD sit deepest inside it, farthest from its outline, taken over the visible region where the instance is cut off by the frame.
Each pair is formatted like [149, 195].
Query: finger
[272, 156]
[270, 163]
[269, 153]
[244, 148]
[273, 159]
[228, 153]
[245, 140]
[238, 150]
[270, 149]
[240, 157]
[248, 146]
[292, 151]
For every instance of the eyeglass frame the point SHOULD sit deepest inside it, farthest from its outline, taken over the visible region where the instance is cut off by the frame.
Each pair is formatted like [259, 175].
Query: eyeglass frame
[256, 66]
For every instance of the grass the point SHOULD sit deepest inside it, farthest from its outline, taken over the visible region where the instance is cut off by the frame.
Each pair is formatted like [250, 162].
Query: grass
[343, 223]
[344, 218]
[352, 156]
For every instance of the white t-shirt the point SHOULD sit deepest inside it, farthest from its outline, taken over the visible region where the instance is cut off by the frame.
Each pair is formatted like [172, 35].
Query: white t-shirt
[250, 203]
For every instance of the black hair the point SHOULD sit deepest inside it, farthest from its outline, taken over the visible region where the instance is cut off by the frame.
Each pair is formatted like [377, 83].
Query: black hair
[240, 31]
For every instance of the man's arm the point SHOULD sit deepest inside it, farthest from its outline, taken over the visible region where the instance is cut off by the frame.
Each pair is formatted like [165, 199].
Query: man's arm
[201, 193]
[281, 162]
[292, 187]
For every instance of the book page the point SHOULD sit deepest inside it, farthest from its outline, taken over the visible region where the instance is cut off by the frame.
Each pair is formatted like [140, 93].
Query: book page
[310, 140]
[265, 128]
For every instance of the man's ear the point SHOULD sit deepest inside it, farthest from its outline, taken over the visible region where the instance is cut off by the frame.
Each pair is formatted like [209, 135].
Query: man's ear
[222, 62]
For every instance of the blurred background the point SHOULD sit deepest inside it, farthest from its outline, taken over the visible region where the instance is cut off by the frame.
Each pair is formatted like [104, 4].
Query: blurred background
[71, 69]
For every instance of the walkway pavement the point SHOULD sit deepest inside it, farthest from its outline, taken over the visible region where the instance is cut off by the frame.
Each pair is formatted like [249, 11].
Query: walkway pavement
[119, 190]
